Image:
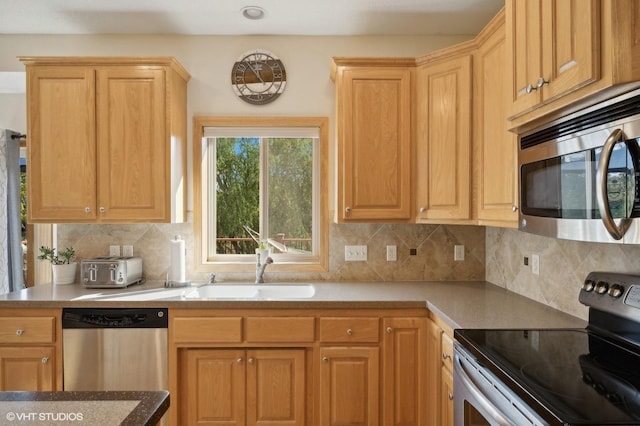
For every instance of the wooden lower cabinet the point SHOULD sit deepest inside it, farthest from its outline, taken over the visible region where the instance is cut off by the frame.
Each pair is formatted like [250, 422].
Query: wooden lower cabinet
[334, 367]
[349, 386]
[30, 350]
[446, 398]
[404, 381]
[27, 368]
[229, 387]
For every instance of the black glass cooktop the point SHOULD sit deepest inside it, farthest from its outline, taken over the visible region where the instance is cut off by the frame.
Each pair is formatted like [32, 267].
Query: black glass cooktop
[571, 377]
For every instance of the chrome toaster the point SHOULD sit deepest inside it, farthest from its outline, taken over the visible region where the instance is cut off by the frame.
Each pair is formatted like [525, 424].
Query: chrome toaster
[111, 271]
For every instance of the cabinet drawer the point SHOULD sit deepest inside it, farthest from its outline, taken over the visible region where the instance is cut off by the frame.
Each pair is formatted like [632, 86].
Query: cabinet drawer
[27, 329]
[447, 351]
[207, 330]
[357, 330]
[280, 329]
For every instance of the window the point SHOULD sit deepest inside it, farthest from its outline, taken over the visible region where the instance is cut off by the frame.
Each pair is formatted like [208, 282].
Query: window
[261, 180]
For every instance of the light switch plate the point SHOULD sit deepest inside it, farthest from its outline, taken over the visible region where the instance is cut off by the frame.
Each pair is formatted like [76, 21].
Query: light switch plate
[458, 252]
[392, 254]
[114, 250]
[355, 253]
[127, 251]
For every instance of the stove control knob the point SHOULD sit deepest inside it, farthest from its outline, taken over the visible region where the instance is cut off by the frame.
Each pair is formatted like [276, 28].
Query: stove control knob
[588, 285]
[616, 290]
[601, 287]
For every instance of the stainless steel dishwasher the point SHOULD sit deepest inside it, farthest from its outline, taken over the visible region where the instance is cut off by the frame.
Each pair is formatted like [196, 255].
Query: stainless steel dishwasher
[115, 349]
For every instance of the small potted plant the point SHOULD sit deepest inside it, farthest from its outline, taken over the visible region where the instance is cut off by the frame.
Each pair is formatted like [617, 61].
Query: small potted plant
[63, 264]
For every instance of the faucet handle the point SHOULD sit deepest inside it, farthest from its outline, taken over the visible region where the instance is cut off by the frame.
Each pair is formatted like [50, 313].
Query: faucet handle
[212, 278]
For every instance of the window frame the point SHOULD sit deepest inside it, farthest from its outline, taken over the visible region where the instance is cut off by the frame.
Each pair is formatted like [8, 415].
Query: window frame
[316, 263]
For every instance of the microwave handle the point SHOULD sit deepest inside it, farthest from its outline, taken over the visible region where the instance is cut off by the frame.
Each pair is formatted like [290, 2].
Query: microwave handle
[616, 231]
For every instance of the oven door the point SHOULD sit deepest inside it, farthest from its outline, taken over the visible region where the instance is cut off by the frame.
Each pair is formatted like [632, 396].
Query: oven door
[480, 398]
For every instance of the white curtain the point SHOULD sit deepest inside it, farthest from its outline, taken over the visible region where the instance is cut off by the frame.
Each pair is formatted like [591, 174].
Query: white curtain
[11, 272]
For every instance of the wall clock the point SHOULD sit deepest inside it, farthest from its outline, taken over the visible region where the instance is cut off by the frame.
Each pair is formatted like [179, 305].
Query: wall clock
[258, 77]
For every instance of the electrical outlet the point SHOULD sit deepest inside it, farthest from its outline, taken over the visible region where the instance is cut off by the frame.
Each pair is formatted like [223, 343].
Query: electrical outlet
[392, 254]
[127, 251]
[355, 253]
[458, 252]
[535, 264]
[114, 250]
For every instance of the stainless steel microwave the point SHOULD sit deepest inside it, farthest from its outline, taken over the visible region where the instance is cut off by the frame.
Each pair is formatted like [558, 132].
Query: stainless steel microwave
[580, 176]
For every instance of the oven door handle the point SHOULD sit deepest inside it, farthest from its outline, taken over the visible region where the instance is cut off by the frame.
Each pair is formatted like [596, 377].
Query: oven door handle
[616, 231]
[485, 404]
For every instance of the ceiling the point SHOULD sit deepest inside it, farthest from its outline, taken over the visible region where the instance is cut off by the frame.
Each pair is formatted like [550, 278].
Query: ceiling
[223, 17]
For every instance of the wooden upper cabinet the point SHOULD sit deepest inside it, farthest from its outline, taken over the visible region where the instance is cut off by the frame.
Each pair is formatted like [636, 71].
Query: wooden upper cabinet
[61, 143]
[444, 139]
[374, 139]
[495, 148]
[569, 54]
[106, 140]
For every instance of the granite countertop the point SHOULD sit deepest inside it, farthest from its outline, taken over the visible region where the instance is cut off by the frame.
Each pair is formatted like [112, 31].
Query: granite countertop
[469, 304]
[130, 408]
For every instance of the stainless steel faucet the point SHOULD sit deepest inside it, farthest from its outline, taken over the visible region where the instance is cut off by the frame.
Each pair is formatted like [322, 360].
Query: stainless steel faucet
[260, 267]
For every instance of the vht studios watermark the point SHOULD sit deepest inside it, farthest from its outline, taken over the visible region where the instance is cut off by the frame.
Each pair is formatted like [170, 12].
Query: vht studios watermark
[14, 416]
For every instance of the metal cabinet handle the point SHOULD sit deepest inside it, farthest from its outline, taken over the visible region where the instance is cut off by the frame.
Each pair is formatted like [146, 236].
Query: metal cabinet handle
[250, 360]
[87, 209]
[325, 359]
[422, 209]
[45, 359]
[239, 360]
[530, 88]
[514, 208]
[347, 209]
[541, 82]
[450, 395]
[349, 331]
[389, 330]
[102, 210]
[445, 356]
[19, 332]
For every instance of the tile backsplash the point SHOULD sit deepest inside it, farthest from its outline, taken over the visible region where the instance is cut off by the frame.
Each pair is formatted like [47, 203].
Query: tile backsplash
[563, 266]
[433, 261]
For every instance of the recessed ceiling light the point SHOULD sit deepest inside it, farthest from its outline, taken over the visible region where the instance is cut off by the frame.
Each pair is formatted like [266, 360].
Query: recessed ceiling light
[253, 12]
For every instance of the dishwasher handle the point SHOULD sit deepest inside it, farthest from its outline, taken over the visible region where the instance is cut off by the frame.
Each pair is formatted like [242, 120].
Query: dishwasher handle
[115, 318]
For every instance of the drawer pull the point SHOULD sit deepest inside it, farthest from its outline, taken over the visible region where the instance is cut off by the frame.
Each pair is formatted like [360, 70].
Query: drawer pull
[45, 359]
[450, 395]
[19, 332]
[389, 330]
[239, 360]
[349, 331]
[445, 356]
[325, 359]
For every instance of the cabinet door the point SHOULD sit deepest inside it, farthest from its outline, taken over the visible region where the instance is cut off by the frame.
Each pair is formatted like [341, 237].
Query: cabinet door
[27, 369]
[276, 387]
[62, 145]
[570, 45]
[524, 27]
[496, 147]
[444, 139]
[446, 398]
[133, 161]
[404, 372]
[215, 391]
[434, 372]
[349, 386]
[374, 139]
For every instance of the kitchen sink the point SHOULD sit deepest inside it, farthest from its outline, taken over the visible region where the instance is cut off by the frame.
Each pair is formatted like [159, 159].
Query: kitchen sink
[213, 292]
[252, 291]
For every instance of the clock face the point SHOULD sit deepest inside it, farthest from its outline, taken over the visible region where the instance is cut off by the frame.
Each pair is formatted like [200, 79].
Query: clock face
[258, 77]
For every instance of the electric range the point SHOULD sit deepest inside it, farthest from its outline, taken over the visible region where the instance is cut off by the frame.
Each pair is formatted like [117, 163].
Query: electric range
[585, 376]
